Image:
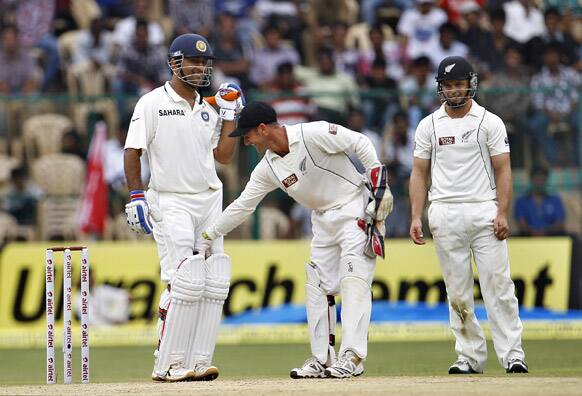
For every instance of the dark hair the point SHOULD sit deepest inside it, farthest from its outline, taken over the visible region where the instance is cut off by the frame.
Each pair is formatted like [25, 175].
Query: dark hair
[538, 171]
[18, 173]
[285, 67]
[270, 28]
[552, 11]
[450, 27]
[141, 23]
[498, 13]
[379, 62]
[421, 61]
[10, 27]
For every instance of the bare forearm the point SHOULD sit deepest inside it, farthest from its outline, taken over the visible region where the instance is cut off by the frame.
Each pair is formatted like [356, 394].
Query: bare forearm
[132, 167]
[226, 145]
[504, 189]
[418, 188]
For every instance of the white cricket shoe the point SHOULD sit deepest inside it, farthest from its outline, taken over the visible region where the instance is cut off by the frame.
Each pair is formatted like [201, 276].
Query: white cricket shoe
[310, 369]
[176, 373]
[347, 366]
[462, 366]
[205, 372]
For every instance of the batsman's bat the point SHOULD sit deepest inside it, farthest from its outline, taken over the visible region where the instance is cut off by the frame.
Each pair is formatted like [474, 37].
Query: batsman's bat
[229, 96]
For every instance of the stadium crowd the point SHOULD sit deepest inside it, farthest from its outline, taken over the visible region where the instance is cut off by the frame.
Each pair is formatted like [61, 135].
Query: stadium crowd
[368, 65]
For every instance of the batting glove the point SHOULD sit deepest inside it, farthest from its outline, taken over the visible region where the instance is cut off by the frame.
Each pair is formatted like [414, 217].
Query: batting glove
[207, 240]
[229, 109]
[137, 212]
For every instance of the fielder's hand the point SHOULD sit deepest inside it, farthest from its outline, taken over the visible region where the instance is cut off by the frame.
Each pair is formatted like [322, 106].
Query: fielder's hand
[416, 232]
[229, 109]
[137, 212]
[501, 227]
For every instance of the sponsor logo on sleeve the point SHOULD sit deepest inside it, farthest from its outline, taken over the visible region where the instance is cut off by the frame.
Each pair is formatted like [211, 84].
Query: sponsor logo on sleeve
[446, 140]
[289, 181]
[333, 129]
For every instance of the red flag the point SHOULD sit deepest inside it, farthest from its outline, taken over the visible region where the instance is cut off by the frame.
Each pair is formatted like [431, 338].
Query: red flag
[93, 213]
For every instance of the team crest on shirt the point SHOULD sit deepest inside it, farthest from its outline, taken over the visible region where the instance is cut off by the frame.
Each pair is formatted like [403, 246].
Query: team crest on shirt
[333, 129]
[446, 140]
[171, 112]
[465, 136]
[205, 116]
[289, 181]
[303, 166]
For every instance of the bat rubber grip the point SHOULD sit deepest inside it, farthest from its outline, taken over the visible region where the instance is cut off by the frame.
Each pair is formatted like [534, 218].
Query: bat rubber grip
[229, 96]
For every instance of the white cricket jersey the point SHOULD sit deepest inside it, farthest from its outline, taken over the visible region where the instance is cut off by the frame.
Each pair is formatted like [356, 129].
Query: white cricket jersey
[179, 141]
[317, 172]
[460, 150]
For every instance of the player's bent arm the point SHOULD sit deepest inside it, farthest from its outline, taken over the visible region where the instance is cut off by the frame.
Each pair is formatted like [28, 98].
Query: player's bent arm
[258, 186]
[132, 167]
[418, 186]
[502, 168]
[225, 149]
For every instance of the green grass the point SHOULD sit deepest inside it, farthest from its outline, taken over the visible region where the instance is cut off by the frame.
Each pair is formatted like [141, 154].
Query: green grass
[131, 364]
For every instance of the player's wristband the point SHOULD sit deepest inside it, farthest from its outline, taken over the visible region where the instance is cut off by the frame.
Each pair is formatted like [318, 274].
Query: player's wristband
[137, 195]
[227, 114]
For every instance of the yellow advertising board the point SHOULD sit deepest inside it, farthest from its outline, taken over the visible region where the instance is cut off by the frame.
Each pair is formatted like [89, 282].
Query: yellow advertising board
[268, 274]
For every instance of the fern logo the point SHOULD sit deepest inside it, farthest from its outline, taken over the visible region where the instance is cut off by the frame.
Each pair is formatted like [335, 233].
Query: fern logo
[449, 68]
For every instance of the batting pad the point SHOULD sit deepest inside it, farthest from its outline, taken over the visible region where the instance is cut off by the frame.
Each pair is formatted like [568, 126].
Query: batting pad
[356, 310]
[217, 269]
[178, 330]
[321, 318]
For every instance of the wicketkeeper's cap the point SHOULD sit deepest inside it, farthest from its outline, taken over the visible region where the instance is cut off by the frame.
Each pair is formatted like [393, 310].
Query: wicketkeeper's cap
[254, 114]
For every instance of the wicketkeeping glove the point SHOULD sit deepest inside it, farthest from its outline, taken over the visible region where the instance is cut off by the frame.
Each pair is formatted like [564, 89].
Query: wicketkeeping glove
[138, 214]
[229, 109]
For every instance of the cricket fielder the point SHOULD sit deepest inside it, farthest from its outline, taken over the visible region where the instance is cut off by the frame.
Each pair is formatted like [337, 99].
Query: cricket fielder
[182, 136]
[465, 151]
[309, 162]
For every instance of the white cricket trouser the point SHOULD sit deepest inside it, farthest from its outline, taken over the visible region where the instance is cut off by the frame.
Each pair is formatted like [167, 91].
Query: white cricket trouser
[337, 252]
[458, 230]
[179, 220]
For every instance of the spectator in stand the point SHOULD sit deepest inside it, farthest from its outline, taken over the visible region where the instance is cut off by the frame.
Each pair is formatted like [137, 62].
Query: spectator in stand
[16, 65]
[448, 44]
[509, 99]
[554, 34]
[417, 90]
[473, 34]
[300, 218]
[290, 101]
[554, 122]
[331, 91]
[524, 20]
[34, 21]
[192, 16]
[72, 143]
[494, 49]
[392, 52]
[125, 29]
[346, 59]
[242, 11]
[94, 46]
[22, 197]
[456, 8]
[232, 56]
[142, 66]
[114, 173]
[539, 213]
[420, 26]
[266, 60]
[356, 122]
[382, 100]
[397, 146]
[114, 8]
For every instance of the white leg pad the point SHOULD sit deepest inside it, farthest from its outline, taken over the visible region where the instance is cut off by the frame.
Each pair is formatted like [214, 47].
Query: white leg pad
[178, 330]
[163, 312]
[216, 288]
[321, 318]
[355, 313]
